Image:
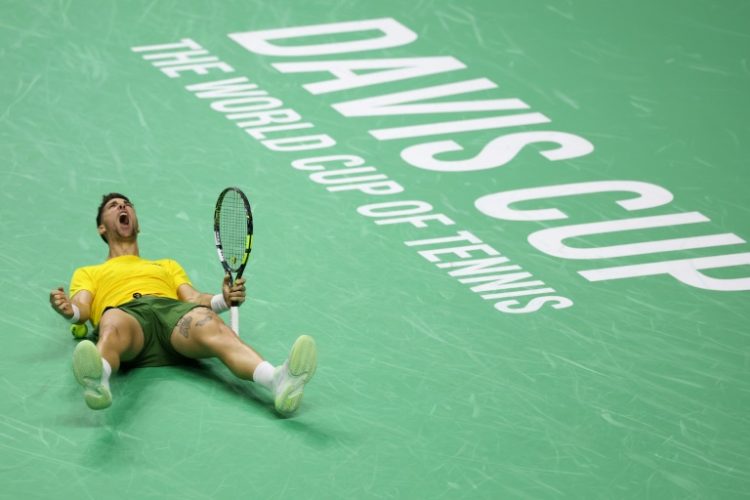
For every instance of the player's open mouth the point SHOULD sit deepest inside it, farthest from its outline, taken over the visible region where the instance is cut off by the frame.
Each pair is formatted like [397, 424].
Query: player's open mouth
[124, 219]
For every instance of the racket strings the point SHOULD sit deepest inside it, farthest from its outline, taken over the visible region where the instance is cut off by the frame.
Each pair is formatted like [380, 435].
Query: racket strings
[233, 229]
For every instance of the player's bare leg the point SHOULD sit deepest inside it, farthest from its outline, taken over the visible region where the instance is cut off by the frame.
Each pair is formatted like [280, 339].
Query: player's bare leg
[120, 338]
[202, 334]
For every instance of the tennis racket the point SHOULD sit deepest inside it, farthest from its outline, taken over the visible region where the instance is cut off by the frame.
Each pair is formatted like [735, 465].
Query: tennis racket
[233, 232]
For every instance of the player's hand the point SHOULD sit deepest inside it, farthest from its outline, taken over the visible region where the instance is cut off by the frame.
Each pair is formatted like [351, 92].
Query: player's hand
[60, 302]
[234, 295]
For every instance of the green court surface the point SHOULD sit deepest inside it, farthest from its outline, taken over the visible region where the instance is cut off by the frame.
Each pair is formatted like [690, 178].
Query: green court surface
[516, 230]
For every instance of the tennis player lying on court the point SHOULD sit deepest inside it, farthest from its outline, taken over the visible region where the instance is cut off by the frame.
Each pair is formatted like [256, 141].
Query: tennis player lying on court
[148, 314]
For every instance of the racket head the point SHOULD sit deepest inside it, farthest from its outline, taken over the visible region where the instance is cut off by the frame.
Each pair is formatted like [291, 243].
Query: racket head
[233, 230]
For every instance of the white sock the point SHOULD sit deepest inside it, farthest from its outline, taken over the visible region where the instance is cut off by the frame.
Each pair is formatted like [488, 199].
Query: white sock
[263, 375]
[106, 372]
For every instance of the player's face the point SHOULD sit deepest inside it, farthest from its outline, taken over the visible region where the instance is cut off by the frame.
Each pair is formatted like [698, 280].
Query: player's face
[119, 222]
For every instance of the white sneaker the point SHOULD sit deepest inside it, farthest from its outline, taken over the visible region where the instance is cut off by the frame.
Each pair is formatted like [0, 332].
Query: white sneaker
[87, 367]
[291, 377]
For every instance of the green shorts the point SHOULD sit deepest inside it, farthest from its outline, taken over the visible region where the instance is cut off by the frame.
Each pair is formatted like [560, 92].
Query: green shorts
[157, 316]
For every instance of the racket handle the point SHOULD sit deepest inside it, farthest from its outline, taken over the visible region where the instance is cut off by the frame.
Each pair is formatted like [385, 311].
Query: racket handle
[234, 312]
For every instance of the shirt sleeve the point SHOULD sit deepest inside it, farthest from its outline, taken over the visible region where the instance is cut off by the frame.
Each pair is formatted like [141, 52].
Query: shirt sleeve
[81, 280]
[178, 274]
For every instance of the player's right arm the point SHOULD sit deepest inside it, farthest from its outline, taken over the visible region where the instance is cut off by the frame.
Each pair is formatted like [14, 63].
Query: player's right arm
[63, 305]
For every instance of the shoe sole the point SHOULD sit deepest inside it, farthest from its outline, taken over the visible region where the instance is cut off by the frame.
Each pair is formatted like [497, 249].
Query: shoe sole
[87, 368]
[303, 361]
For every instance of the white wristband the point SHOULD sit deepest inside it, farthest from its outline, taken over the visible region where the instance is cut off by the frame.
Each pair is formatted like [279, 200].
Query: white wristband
[218, 304]
[76, 314]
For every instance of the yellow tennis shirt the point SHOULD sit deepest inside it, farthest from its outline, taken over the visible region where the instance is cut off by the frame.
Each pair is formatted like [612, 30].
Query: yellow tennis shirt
[115, 281]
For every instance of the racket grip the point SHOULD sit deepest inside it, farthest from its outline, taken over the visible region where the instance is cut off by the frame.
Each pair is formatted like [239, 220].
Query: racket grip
[234, 312]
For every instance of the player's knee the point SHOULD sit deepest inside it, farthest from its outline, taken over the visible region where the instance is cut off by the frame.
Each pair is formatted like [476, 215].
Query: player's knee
[119, 331]
[110, 324]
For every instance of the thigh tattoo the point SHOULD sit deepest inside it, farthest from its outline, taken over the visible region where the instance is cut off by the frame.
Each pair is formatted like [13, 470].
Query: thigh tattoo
[206, 318]
[186, 322]
[184, 325]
